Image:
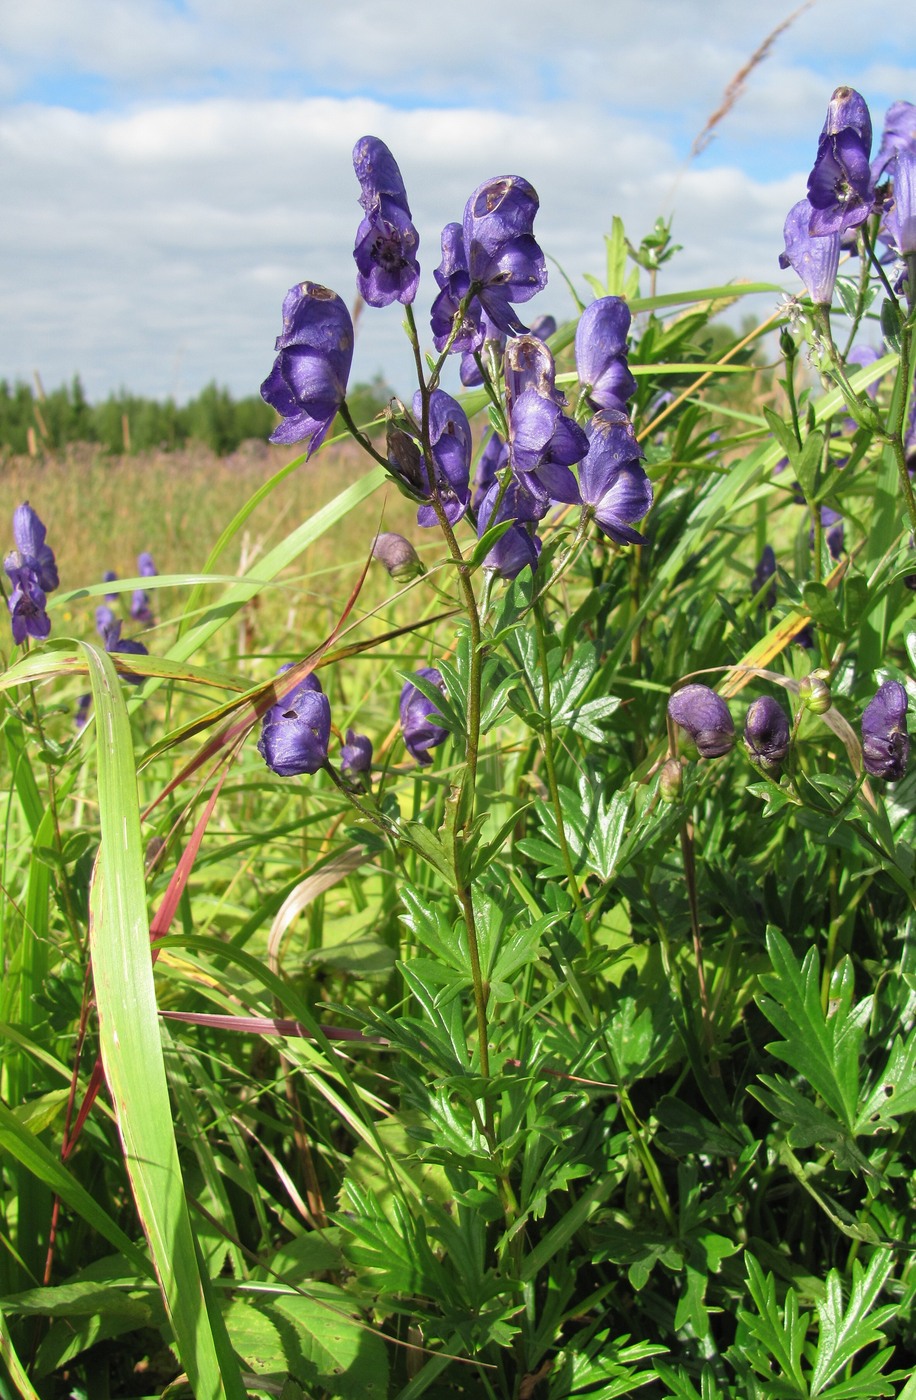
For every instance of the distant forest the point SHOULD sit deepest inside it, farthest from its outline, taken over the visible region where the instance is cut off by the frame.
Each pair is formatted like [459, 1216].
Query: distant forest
[33, 421]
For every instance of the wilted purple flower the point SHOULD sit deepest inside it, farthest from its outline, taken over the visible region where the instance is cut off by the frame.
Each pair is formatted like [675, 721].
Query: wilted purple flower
[517, 549]
[764, 572]
[885, 742]
[705, 717]
[601, 353]
[815, 259]
[296, 730]
[386, 241]
[840, 187]
[493, 255]
[397, 555]
[145, 566]
[308, 381]
[29, 533]
[356, 753]
[421, 733]
[766, 733]
[127, 646]
[614, 487]
[140, 609]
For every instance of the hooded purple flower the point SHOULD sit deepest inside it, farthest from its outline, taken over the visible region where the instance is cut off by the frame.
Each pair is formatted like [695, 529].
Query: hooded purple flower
[356, 753]
[885, 742]
[494, 255]
[517, 549]
[308, 382]
[493, 458]
[296, 730]
[840, 187]
[601, 353]
[615, 489]
[145, 566]
[140, 609]
[899, 134]
[898, 227]
[766, 733]
[32, 571]
[815, 259]
[543, 442]
[386, 241]
[451, 444]
[421, 733]
[705, 717]
[105, 619]
[127, 646]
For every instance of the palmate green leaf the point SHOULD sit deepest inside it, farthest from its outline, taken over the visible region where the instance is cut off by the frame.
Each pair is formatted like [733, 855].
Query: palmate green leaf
[607, 1369]
[809, 1125]
[893, 1092]
[773, 1336]
[131, 1050]
[823, 1048]
[844, 1331]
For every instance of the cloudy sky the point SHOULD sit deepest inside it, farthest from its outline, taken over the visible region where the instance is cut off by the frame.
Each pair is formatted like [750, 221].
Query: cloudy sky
[170, 167]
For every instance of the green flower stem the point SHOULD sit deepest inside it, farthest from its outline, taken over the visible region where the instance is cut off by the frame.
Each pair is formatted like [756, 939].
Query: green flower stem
[548, 747]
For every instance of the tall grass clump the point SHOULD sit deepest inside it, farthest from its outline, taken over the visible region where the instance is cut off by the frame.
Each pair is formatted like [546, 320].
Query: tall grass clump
[478, 958]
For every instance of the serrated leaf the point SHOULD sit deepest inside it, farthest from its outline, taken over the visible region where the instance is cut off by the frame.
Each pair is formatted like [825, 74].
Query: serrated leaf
[844, 1331]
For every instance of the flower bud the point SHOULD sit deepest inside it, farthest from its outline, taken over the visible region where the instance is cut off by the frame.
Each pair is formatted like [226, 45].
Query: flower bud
[705, 717]
[766, 733]
[421, 733]
[356, 754]
[398, 556]
[885, 741]
[295, 731]
[671, 780]
[814, 692]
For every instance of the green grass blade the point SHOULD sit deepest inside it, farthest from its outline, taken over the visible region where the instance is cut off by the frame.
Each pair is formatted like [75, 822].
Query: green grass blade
[131, 1050]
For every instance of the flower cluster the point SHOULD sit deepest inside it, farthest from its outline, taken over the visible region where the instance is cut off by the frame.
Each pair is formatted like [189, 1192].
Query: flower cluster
[845, 187]
[32, 571]
[704, 717]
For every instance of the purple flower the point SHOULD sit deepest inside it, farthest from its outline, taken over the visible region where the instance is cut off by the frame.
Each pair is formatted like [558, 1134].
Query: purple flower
[543, 442]
[885, 742]
[140, 609]
[493, 256]
[517, 549]
[109, 576]
[127, 646]
[296, 730]
[899, 134]
[840, 187]
[601, 353]
[764, 572]
[145, 566]
[543, 327]
[766, 733]
[898, 226]
[493, 458]
[83, 706]
[29, 534]
[421, 733]
[356, 753]
[832, 524]
[308, 381]
[614, 487]
[815, 259]
[705, 717]
[386, 241]
[451, 444]
[104, 620]
[28, 616]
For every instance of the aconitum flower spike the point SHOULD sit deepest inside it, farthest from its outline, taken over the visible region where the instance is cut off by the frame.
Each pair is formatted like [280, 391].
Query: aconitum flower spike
[766, 733]
[885, 741]
[615, 490]
[601, 353]
[356, 753]
[840, 187]
[815, 259]
[421, 733]
[295, 732]
[145, 566]
[308, 381]
[386, 241]
[705, 717]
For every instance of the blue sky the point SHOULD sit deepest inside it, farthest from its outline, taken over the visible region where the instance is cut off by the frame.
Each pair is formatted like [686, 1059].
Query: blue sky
[171, 168]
